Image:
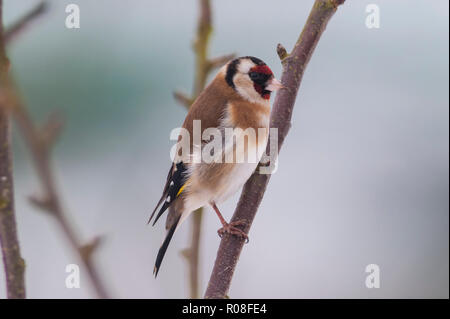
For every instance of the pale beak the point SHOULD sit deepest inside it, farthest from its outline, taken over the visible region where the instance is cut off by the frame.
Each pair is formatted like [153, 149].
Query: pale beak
[274, 85]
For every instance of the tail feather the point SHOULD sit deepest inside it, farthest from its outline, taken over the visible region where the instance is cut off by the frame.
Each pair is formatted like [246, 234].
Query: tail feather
[164, 194]
[163, 248]
[161, 211]
[159, 203]
[175, 183]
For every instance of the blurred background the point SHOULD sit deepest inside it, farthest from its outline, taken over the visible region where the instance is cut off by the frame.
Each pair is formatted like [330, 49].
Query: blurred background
[363, 175]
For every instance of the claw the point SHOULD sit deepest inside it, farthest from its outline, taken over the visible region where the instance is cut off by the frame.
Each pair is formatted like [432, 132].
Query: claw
[231, 229]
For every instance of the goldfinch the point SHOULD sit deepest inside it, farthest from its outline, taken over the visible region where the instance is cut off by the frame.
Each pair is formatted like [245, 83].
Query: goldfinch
[230, 109]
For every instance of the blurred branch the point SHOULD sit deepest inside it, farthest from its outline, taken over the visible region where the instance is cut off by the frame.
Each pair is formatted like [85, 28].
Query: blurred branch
[40, 142]
[201, 43]
[203, 67]
[294, 66]
[183, 99]
[192, 254]
[218, 62]
[12, 260]
[20, 24]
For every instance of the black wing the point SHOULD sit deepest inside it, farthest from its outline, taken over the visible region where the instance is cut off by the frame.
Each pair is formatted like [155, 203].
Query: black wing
[176, 179]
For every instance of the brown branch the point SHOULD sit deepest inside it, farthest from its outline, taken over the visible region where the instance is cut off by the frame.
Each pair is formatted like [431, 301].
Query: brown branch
[21, 23]
[192, 254]
[183, 99]
[201, 43]
[203, 67]
[40, 142]
[12, 260]
[217, 62]
[294, 66]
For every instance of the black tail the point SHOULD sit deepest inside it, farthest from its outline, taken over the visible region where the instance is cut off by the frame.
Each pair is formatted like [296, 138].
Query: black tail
[165, 244]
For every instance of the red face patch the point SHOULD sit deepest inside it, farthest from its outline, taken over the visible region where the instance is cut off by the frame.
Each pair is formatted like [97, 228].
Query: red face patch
[264, 94]
[258, 84]
[264, 69]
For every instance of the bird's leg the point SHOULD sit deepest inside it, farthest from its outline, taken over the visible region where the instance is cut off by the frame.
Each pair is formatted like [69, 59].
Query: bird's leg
[230, 228]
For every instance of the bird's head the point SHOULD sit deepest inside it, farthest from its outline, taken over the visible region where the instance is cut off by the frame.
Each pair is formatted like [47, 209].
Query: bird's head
[251, 78]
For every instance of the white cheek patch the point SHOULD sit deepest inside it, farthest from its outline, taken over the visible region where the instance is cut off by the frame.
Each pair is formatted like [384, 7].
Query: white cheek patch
[244, 86]
[245, 65]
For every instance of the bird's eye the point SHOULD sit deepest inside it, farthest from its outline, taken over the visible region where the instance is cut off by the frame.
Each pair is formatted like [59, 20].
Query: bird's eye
[254, 75]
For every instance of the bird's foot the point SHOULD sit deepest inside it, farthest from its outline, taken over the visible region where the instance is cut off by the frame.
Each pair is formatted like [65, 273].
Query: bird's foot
[265, 164]
[230, 228]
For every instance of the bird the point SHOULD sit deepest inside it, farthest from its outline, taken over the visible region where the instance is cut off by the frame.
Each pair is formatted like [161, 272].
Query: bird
[237, 100]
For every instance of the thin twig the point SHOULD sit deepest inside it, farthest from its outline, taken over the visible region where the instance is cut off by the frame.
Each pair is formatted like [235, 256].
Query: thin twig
[219, 61]
[203, 67]
[39, 141]
[192, 254]
[12, 260]
[294, 66]
[20, 24]
[183, 99]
